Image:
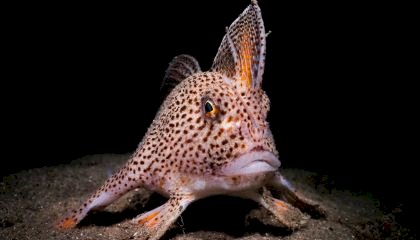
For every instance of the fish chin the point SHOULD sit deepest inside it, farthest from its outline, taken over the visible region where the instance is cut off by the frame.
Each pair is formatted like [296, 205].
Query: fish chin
[255, 162]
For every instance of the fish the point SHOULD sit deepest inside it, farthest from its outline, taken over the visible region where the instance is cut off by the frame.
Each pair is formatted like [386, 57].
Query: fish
[209, 137]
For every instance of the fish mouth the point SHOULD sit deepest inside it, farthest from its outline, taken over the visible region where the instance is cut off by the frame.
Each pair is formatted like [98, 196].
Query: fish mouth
[255, 161]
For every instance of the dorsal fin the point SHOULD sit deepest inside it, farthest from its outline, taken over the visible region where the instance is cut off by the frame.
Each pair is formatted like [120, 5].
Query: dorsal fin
[241, 55]
[181, 67]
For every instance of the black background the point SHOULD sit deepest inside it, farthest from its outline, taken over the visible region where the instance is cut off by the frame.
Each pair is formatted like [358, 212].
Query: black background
[84, 79]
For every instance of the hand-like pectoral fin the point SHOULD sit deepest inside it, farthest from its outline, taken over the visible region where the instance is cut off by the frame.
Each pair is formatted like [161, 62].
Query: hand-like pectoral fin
[280, 187]
[157, 221]
[285, 213]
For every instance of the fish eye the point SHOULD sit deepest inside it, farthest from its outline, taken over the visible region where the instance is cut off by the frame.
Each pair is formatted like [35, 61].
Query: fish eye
[210, 109]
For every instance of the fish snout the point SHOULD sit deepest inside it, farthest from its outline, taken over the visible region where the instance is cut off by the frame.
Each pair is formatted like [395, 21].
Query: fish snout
[256, 161]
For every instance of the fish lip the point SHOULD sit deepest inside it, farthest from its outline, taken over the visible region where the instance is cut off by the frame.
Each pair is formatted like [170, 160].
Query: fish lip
[256, 161]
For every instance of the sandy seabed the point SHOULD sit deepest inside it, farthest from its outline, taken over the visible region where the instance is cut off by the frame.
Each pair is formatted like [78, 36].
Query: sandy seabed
[32, 201]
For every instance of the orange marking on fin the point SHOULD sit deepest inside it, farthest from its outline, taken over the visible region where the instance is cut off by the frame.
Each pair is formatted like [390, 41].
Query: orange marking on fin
[149, 220]
[152, 222]
[246, 61]
[280, 204]
[67, 223]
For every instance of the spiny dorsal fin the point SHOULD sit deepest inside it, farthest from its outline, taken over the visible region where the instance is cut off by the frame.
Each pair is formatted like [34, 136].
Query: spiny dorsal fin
[241, 55]
[181, 67]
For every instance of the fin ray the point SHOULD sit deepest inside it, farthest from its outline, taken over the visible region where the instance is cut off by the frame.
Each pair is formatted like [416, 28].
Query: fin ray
[180, 68]
[241, 55]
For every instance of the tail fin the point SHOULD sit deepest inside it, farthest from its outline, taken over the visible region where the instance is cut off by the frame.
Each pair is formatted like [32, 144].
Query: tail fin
[116, 186]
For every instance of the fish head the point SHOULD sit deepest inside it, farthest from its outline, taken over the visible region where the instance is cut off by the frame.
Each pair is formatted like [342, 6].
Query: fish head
[216, 121]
